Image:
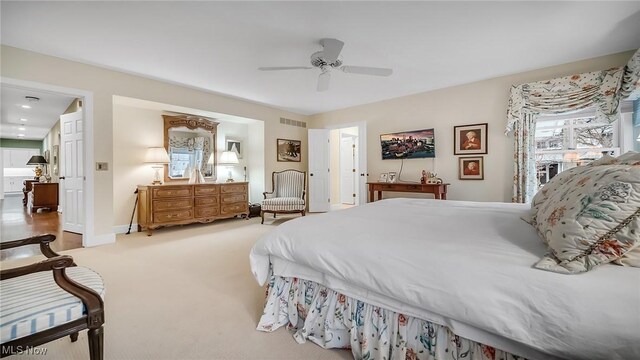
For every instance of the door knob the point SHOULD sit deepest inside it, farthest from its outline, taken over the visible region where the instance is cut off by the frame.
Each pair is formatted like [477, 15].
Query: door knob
[61, 178]
[362, 174]
[310, 174]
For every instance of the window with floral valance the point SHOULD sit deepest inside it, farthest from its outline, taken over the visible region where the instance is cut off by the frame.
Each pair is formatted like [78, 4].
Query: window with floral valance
[599, 90]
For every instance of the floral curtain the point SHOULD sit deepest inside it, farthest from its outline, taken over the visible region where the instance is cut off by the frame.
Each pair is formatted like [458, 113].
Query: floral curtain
[601, 90]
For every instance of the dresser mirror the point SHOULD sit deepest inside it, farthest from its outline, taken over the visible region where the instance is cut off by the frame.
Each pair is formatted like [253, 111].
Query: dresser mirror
[191, 145]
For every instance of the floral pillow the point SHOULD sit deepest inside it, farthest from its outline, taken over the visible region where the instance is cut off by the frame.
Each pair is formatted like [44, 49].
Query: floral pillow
[547, 190]
[591, 219]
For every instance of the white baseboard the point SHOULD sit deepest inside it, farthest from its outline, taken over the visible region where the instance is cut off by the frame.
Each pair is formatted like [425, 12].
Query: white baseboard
[98, 240]
[122, 229]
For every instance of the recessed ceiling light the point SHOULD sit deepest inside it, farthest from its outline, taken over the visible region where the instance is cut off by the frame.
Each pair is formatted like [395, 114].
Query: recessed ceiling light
[25, 106]
[20, 135]
[23, 119]
[22, 128]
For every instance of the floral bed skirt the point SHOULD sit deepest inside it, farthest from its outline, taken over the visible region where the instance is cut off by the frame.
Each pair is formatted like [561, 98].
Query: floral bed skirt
[333, 320]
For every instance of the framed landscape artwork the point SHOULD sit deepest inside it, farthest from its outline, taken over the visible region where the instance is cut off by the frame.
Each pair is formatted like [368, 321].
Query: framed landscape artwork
[289, 150]
[471, 168]
[470, 139]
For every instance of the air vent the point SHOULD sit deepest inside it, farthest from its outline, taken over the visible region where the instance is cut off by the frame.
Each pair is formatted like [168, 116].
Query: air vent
[293, 122]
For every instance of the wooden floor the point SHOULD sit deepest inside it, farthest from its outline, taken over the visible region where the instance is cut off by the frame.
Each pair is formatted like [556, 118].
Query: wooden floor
[17, 223]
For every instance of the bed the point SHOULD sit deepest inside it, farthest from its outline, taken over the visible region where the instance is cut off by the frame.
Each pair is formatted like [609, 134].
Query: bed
[414, 278]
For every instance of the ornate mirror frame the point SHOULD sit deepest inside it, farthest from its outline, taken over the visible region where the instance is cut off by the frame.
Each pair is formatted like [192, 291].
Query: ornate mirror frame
[191, 122]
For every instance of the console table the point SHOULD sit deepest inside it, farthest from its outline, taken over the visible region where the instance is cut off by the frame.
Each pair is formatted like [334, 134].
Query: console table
[438, 190]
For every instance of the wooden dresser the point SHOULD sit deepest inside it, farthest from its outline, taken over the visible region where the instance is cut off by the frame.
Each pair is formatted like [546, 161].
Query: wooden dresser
[179, 204]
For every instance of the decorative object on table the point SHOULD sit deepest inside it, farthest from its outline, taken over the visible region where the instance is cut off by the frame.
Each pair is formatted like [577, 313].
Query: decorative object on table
[430, 178]
[423, 178]
[54, 154]
[37, 160]
[158, 157]
[383, 178]
[408, 145]
[235, 146]
[289, 150]
[393, 177]
[470, 139]
[229, 158]
[471, 168]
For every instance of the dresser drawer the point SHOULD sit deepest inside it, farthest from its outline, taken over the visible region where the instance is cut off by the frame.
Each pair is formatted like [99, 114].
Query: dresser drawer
[206, 190]
[172, 191]
[212, 200]
[233, 188]
[233, 198]
[234, 208]
[205, 211]
[172, 204]
[171, 216]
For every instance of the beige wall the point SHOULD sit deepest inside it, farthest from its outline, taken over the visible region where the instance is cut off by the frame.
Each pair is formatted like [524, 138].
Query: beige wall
[478, 102]
[104, 84]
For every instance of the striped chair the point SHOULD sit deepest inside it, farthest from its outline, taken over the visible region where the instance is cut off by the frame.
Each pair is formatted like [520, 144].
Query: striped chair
[287, 194]
[49, 300]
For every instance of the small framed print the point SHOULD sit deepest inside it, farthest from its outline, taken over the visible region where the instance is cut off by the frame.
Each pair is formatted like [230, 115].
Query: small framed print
[470, 139]
[471, 168]
[392, 177]
[235, 146]
[383, 178]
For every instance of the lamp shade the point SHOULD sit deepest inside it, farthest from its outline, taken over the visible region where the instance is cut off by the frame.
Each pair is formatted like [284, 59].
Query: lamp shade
[228, 157]
[37, 160]
[156, 155]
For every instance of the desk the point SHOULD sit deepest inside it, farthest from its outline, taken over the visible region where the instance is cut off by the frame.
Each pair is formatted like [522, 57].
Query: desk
[438, 190]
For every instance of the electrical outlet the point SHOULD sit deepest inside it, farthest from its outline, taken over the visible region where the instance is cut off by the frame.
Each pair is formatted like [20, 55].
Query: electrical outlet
[102, 166]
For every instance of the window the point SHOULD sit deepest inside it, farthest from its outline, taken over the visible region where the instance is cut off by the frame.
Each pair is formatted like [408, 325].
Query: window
[565, 142]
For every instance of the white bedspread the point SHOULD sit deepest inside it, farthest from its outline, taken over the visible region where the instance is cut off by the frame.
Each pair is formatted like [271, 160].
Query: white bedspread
[465, 265]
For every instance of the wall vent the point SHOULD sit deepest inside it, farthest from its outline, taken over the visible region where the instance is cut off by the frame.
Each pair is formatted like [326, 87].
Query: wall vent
[293, 122]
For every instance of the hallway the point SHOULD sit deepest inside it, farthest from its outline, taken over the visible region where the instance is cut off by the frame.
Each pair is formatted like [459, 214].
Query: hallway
[17, 223]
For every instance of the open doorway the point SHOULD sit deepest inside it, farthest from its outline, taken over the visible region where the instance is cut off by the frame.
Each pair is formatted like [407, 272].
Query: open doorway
[33, 164]
[344, 167]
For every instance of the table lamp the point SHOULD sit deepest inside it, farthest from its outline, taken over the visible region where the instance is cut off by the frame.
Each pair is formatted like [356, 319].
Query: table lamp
[229, 158]
[158, 157]
[37, 160]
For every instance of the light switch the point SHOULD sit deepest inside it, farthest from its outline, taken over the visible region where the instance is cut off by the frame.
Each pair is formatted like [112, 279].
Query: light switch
[102, 166]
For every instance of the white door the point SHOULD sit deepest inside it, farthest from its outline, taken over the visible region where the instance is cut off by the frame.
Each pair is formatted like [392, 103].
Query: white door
[72, 172]
[319, 195]
[347, 170]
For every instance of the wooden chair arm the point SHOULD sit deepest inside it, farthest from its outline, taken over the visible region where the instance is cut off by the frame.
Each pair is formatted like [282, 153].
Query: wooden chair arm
[92, 300]
[59, 262]
[42, 240]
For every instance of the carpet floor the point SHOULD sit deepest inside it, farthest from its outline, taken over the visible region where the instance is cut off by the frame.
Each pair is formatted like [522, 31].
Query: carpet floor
[184, 293]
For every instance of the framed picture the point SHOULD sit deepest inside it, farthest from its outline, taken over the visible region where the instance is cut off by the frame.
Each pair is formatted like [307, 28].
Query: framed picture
[392, 177]
[234, 145]
[54, 162]
[383, 177]
[289, 150]
[471, 168]
[46, 156]
[470, 139]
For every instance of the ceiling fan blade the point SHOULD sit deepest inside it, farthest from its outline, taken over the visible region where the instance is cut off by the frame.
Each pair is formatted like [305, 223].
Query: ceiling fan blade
[332, 49]
[276, 68]
[365, 70]
[323, 81]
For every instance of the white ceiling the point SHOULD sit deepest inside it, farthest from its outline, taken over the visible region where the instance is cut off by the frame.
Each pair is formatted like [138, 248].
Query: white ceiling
[217, 46]
[40, 118]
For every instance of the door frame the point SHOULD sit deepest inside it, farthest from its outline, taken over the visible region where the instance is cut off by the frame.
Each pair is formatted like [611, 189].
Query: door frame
[89, 237]
[362, 156]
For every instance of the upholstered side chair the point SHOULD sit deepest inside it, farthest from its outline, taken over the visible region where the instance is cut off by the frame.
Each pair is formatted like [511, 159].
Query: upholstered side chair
[48, 300]
[287, 195]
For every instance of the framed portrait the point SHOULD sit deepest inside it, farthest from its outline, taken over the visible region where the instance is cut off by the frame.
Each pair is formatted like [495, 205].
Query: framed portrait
[289, 150]
[383, 178]
[470, 139]
[471, 168]
[54, 161]
[392, 177]
[235, 146]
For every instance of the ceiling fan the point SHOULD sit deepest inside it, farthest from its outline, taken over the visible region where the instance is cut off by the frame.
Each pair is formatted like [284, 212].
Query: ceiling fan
[327, 59]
